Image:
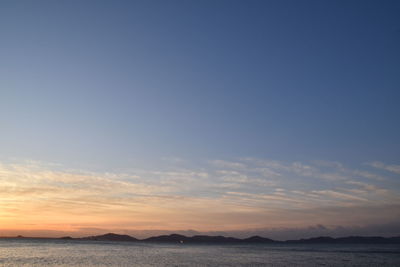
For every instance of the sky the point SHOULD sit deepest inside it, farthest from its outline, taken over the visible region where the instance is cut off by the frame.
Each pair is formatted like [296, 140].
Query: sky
[279, 118]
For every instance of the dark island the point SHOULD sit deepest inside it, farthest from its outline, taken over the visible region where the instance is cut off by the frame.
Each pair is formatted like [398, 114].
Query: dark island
[205, 239]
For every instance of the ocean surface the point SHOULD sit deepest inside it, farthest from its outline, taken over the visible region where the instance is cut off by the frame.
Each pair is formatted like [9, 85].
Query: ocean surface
[39, 252]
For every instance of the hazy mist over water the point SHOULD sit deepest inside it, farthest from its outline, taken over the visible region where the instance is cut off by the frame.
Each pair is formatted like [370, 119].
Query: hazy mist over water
[36, 252]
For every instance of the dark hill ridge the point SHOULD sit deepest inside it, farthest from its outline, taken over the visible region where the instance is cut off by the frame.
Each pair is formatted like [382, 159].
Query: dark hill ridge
[214, 239]
[258, 239]
[174, 238]
[205, 239]
[111, 237]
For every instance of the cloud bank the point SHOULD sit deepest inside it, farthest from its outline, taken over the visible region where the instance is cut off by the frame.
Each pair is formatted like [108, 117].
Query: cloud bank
[242, 197]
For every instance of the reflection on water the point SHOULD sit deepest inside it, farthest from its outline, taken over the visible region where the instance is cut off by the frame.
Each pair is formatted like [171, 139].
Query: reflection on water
[34, 252]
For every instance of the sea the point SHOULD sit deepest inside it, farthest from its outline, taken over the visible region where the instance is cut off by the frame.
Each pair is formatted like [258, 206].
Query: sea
[53, 252]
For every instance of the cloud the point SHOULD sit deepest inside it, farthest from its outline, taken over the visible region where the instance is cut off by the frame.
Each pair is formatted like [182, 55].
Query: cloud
[339, 195]
[391, 168]
[229, 196]
[279, 168]
[228, 164]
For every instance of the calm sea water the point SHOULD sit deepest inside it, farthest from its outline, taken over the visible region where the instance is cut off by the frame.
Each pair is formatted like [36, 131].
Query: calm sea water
[22, 252]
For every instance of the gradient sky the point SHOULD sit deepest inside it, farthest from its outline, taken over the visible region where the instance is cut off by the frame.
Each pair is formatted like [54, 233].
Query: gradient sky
[275, 117]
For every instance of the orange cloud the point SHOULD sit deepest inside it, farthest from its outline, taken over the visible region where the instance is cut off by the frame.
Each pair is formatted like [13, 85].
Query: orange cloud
[34, 197]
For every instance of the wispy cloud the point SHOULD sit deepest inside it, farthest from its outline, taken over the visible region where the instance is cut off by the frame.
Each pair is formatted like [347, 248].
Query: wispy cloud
[391, 168]
[339, 195]
[220, 195]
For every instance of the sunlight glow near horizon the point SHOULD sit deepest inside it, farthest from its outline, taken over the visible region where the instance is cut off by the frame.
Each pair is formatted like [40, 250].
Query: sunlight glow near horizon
[227, 196]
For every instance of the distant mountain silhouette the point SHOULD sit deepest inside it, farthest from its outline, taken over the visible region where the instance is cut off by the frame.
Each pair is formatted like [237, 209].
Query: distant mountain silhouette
[174, 238]
[111, 237]
[214, 239]
[258, 239]
[205, 239]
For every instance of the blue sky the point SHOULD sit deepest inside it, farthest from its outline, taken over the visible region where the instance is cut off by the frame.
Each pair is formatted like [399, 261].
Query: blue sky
[127, 86]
